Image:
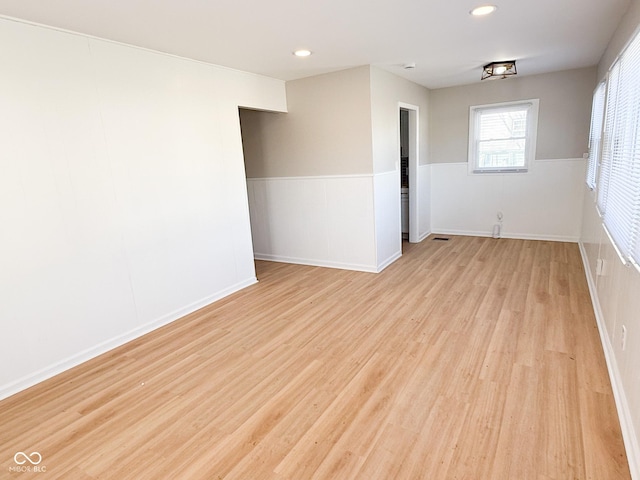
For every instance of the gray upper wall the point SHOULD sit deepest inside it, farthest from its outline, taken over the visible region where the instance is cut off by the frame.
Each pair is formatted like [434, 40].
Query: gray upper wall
[563, 121]
[340, 123]
[387, 92]
[628, 26]
[326, 132]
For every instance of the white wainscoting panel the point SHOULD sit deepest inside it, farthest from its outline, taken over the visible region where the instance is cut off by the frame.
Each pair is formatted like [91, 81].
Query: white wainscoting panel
[388, 221]
[424, 201]
[544, 204]
[326, 221]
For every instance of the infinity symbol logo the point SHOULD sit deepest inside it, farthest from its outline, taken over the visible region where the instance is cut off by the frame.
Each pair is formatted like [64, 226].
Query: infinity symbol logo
[27, 458]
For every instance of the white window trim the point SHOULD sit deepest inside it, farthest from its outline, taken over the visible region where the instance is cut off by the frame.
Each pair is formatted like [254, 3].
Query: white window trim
[596, 130]
[531, 136]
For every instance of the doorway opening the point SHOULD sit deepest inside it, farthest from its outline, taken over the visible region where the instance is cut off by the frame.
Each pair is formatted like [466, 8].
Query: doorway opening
[409, 154]
[251, 124]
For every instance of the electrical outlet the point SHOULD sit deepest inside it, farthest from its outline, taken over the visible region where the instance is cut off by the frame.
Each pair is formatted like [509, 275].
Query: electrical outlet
[600, 266]
[623, 340]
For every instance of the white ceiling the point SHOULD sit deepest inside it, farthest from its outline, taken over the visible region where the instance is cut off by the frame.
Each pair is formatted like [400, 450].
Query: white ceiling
[448, 45]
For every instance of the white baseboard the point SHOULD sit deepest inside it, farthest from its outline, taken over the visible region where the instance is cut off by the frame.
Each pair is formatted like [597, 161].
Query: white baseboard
[315, 263]
[424, 235]
[624, 413]
[92, 352]
[389, 261]
[518, 236]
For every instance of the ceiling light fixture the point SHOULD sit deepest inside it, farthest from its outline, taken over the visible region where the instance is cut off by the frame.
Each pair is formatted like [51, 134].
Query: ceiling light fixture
[302, 53]
[499, 70]
[483, 10]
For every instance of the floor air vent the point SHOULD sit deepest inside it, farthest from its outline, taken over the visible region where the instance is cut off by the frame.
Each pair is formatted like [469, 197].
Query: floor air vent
[441, 239]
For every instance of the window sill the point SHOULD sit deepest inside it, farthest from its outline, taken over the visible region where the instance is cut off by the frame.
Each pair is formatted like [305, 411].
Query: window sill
[502, 170]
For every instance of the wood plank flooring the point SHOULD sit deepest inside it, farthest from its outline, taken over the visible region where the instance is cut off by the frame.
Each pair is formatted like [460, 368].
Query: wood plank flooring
[474, 358]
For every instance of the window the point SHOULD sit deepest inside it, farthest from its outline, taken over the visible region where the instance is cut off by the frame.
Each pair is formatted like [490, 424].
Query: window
[619, 180]
[502, 136]
[595, 135]
[606, 153]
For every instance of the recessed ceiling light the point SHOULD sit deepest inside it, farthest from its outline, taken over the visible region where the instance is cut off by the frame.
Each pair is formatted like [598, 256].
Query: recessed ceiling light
[483, 10]
[302, 53]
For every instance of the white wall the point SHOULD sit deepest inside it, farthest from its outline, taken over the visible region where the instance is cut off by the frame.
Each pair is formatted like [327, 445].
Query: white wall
[614, 290]
[425, 185]
[123, 200]
[616, 303]
[324, 221]
[543, 204]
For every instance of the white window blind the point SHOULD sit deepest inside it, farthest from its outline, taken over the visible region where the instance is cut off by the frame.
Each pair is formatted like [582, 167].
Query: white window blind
[607, 136]
[502, 136]
[619, 181]
[595, 134]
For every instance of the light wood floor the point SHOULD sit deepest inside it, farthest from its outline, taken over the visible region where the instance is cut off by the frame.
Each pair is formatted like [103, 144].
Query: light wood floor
[469, 359]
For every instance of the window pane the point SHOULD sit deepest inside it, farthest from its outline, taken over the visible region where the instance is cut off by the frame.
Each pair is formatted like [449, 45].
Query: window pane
[501, 153]
[503, 124]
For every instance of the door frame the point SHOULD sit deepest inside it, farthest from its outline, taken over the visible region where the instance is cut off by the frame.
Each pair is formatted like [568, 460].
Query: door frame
[414, 155]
